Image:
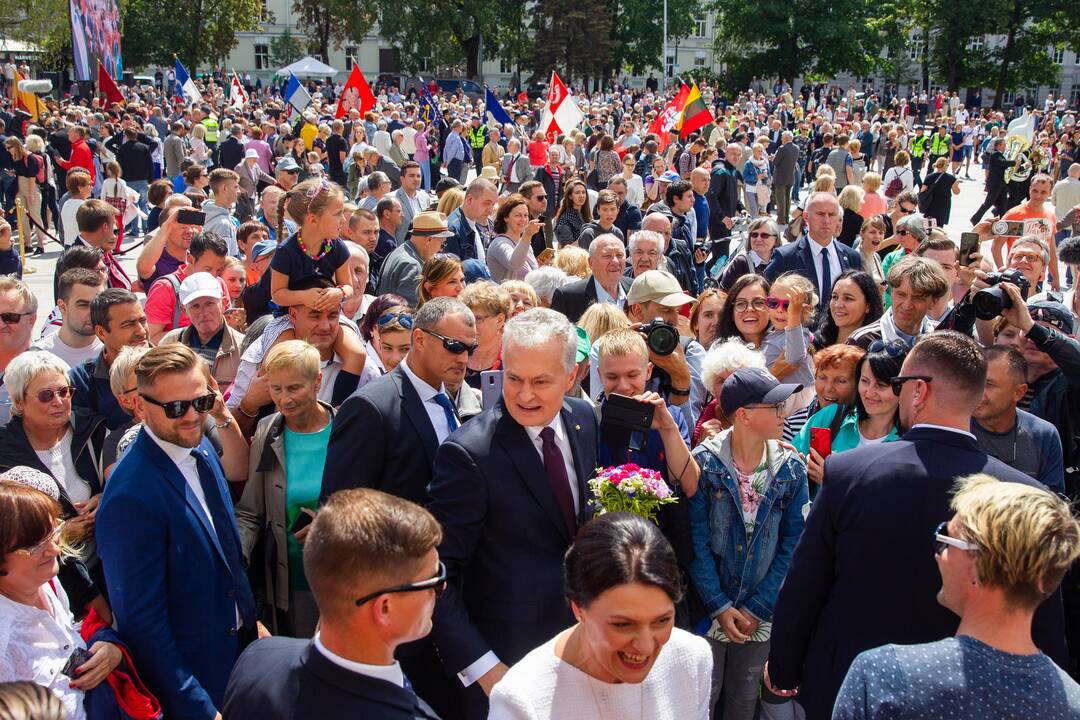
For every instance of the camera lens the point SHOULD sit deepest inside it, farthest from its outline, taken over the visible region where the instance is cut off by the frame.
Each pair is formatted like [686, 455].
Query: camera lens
[662, 338]
[989, 303]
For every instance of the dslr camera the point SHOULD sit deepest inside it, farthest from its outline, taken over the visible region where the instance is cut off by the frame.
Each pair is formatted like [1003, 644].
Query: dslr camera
[661, 337]
[989, 302]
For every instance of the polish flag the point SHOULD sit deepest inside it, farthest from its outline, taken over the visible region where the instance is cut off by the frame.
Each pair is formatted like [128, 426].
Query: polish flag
[561, 113]
[237, 97]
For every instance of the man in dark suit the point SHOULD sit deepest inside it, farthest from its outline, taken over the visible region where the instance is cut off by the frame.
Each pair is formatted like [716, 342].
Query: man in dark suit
[510, 491]
[470, 222]
[607, 260]
[231, 151]
[784, 162]
[168, 540]
[863, 573]
[371, 562]
[816, 255]
[996, 187]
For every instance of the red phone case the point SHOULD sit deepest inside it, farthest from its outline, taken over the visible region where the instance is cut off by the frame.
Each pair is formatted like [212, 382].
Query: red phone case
[821, 440]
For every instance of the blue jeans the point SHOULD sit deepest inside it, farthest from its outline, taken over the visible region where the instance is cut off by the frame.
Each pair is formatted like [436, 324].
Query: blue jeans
[141, 187]
[425, 173]
[799, 170]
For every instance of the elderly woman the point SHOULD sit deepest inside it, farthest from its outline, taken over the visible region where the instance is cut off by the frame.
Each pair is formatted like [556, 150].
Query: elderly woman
[492, 306]
[545, 281]
[285, 477]
[510, 255]
[722, 360]
[763, 236]
[574, 261]
[38, 635]
[835, 381]
[522, 295]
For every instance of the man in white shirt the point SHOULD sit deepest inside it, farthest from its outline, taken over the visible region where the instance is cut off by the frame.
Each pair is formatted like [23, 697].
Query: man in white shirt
[371, 561]
[75, 342]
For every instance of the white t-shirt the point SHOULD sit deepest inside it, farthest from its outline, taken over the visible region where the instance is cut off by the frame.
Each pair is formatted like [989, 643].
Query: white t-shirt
[61, 466]
[72, 356]
[67, 217]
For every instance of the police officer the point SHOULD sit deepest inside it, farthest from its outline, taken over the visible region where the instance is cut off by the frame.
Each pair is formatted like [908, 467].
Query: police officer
[477, 138]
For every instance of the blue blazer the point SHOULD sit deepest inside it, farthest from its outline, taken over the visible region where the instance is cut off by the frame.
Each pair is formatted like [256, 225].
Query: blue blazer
[864, 573]
[462, 243]
[504, 537]
[798, 257]
[170, 586]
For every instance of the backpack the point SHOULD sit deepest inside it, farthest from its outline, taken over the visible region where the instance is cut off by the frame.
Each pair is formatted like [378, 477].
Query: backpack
[896, 186]
[40, 169]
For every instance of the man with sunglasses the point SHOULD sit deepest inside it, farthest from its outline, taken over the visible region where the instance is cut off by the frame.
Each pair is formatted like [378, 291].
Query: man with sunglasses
[18, 312]
[858, 578]
[536, 199]
[371, 561]
[386, 436]
[169, 542]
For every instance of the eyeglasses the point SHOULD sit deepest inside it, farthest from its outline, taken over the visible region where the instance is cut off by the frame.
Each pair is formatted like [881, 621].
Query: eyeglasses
[46, 395]
[755, 234]
[744, 305]
[902, 232]
[452, 346]
[773, 303]
[942, 540]
[777, 408]
[894, 348]
[897, 382]
[178, 408]
[405, 321]
[52, 537]
[437, 583]
[540, 197]
[13, 318]
[906, 211]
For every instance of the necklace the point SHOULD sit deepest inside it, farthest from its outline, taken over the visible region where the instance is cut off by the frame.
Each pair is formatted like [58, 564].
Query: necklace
[326, 247]
[589, 680]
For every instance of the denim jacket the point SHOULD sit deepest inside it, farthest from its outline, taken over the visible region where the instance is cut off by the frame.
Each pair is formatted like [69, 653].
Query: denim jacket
[728, 568]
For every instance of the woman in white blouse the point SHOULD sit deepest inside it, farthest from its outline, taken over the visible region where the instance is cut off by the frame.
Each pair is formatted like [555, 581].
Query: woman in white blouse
[624, 658]
[37, 630]
[635, 188]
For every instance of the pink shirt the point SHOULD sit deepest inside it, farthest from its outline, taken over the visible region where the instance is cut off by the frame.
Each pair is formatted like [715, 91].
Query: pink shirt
[873, 204]
[265, 155]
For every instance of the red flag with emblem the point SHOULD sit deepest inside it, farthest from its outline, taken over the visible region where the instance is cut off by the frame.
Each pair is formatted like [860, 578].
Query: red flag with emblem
[667, 120]
[356, 94]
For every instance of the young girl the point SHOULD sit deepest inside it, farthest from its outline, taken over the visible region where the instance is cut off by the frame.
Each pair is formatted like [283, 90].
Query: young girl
[791, 304]
[871, 236]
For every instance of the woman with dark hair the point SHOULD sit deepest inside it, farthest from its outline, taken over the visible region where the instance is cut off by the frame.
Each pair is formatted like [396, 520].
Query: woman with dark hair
[624, 658]
[855, 301]
[574, 212]
[441, 276]
[510, 255]
[389, 335]
[873, 418]
[745, 314]
[607, 162]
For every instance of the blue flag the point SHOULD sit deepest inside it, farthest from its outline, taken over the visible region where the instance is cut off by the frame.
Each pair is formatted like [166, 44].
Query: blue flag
[185, 86]
[429, 111]
[495, 110]
[296, 96]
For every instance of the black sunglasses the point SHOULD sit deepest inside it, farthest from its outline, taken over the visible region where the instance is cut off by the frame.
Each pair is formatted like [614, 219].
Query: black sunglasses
[897, 383]
[46, 395]
[452, 346]
[178, 408]
[437, 583]
[894, 348]
[14, 318]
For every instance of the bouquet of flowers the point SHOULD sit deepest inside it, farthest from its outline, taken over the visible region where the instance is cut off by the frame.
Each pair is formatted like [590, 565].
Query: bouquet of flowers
[630, 488]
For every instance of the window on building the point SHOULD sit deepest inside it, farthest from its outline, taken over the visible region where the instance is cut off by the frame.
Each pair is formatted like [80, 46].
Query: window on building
[424, 64]
[976, 44]
[351, 51]
[915, 45]
[1057, 55]
[700, 27]
[699, 59]
[1074, 94]
[264, 12]
[262, 57]
[505, 66]
[670, 65]
[1007, 98]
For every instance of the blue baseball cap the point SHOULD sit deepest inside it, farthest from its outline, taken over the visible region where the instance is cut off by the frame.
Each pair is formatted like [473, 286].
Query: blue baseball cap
[475, 270]
[263, 247]
[669, 177]
[1052, 313]
[753, 386]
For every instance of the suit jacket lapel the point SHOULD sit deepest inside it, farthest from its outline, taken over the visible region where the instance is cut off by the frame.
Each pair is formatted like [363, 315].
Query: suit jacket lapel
[414, 410]
[519, 446]
[573, 434]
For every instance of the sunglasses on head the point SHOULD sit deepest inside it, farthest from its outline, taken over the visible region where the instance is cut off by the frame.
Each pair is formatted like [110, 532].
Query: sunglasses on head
[12, 318]
[456, 347]
[46, 395]
[405, 321]
[773, 303]
[894, 348]
[178, 408]
[437, 583]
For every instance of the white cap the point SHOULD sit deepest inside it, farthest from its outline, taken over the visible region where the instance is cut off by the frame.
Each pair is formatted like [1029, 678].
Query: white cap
[199, 285]
[251, 153]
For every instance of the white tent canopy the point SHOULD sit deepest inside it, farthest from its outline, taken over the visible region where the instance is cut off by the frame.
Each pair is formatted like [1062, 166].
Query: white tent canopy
[308, 67]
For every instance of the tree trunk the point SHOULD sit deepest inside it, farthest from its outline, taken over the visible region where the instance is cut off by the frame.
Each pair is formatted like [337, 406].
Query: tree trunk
[471, 46]
[1006, 55]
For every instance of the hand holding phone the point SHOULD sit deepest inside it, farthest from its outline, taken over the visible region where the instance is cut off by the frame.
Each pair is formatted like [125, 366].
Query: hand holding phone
[821, 441]
[969, 245]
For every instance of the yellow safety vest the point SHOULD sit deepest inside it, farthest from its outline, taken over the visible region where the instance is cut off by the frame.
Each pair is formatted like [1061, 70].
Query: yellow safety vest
[939, 145]
[211, 129]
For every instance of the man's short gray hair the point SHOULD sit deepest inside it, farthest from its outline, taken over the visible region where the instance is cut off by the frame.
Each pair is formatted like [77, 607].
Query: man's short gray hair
[1035, 241]
[727, 357]
[357, 250]
[647, 235]
[540, 326]
[124, 365]
[433, 311]
[10, 283]
[915, 224]
[26, 366]
[377, 179]
[546, 280]
[594, 247]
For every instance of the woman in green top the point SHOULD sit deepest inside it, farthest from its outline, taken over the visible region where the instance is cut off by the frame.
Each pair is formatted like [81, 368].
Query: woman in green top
[282, 491]
[873, 418]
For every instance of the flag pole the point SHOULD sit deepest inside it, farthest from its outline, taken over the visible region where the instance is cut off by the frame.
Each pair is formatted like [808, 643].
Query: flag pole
[665, 84]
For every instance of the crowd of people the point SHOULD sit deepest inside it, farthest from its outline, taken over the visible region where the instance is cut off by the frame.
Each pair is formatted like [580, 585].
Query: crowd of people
[324, 448]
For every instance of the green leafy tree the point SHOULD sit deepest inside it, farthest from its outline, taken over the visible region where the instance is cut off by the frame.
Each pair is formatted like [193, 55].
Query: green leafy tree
[571, 37]
[333, 22]
[444, 31]
[638, 30]
[43, 23]
[200, 32]
[1030, 28]
[285, 49]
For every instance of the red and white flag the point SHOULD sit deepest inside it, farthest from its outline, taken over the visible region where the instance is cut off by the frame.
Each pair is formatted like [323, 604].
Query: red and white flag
[237, 96]
[667, 120]
[356, 95]
[561, 113]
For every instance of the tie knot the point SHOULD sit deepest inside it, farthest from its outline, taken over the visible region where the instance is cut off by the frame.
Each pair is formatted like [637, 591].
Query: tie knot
[547, 434]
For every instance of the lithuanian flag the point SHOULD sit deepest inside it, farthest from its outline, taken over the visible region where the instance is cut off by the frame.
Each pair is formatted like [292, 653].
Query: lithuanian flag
[695, 114]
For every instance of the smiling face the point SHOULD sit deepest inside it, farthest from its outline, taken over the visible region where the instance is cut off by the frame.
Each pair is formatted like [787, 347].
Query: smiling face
[876, 393]
[751, 317]
[835, 384]
[186, 430]
[909, 306]
[535, 381]
[51, 415]
[624, 629]
[848, 304]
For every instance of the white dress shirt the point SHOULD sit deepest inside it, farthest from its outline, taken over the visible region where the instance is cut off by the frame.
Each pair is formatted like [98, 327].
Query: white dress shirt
[834, 262]
[435, 411]
[481, 253]
[390, 673]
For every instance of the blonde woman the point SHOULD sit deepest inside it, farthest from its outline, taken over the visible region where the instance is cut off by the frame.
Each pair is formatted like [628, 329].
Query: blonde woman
[451, 200]
[851, 198]
[50, 213]
[574, 261]
[27, 169]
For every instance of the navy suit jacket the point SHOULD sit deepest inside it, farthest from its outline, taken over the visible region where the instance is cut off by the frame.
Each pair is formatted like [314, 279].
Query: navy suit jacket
[462, 243]
[170, 586]
[574, 299]
[289, 679]
[382, 438]
[504, 537]
[798, 257]
[864, 573]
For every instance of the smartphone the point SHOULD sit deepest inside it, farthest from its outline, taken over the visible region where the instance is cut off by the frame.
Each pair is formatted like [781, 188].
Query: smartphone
[187, 216]
[1010, 228]
[821, 440]
[302, 521]
[929, 222]
[969, 245]
[627, 413]
[78, 658]
[490, 387]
